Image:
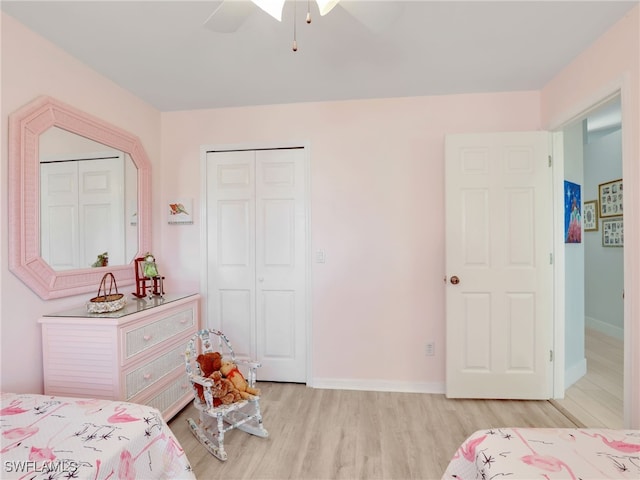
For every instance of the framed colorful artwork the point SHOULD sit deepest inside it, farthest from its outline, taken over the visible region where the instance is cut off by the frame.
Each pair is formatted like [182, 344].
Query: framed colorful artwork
[610, 198]
[613, 232]
[180, 212]
[572, 215]
[590, 216]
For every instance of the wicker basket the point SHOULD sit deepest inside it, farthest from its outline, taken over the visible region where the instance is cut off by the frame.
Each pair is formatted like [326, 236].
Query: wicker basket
[107, 301]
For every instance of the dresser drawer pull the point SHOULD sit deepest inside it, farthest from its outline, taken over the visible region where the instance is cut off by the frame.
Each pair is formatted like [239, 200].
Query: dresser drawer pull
[184, 386]
[184, 320]
[146, 376]
[146, 338]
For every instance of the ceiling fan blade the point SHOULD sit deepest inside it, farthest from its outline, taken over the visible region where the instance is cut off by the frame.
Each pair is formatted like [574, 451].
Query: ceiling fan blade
[377, 16]
[228, 15]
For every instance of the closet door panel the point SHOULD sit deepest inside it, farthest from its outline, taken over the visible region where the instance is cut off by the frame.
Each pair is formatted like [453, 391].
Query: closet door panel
[231, 247]
[59, 215]
[280, 264]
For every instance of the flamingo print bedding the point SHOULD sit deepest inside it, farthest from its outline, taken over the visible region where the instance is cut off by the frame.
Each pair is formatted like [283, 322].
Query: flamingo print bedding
[562, 453]
[46, 437]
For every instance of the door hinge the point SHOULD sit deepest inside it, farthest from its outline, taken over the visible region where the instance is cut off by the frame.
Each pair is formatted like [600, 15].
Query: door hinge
[551, 259]
[551, 355]
[550, 161]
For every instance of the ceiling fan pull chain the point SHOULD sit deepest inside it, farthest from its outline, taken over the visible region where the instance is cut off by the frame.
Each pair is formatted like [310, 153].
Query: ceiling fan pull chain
[308, 11]
[295, 42]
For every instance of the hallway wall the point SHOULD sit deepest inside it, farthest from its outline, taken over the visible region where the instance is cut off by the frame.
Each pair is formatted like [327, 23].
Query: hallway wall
[604, 268]
[575, 362]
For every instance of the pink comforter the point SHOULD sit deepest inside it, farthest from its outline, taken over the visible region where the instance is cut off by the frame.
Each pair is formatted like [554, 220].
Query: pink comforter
[544, 453]
[45, 437]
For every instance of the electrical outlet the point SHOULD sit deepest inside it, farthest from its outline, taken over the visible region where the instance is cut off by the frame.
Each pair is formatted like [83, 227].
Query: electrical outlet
[429, 349]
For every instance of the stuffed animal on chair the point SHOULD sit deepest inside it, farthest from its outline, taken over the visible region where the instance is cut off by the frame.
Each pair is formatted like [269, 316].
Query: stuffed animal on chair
[223, 390]
[230, 371]
[209, 362]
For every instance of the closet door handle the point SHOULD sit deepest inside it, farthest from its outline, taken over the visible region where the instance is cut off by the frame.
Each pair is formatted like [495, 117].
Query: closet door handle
[261, 279]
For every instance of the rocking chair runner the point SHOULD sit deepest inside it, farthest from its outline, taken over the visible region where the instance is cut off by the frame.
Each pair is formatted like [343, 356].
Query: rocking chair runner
[214, 422]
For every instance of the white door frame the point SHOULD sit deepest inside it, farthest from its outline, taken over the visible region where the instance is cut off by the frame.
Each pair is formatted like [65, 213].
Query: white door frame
[204, 254]
[558, 263]
[622, 87]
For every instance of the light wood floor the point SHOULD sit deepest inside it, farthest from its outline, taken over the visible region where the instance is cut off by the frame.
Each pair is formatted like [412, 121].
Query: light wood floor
[342, 434]
[596, 400]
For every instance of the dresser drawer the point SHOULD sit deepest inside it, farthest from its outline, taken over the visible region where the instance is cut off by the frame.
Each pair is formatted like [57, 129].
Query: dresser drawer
[143, 377]
[140, 339]
[173, 397]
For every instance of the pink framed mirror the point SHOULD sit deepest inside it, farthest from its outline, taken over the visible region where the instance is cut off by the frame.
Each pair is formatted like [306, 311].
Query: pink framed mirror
[27, 127]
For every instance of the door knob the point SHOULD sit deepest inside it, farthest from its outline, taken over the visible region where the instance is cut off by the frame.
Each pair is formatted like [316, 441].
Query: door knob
[454, 280]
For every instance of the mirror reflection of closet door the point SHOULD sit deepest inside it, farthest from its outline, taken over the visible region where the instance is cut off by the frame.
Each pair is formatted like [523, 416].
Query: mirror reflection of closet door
[82, 212]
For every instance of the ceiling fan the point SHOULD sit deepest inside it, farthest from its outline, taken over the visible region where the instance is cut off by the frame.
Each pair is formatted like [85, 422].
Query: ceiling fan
[229, 15]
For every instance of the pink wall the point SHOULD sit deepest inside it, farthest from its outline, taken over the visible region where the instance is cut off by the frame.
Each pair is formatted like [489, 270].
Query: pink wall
[377, 204]
[611, 63]
[31, 66]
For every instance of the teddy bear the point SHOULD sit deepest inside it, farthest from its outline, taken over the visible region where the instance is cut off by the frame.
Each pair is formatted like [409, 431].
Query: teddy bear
[209, 362]
[230, 371]
[223, 391]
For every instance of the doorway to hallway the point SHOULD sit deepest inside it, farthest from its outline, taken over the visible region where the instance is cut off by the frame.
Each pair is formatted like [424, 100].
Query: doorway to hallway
[594, 275]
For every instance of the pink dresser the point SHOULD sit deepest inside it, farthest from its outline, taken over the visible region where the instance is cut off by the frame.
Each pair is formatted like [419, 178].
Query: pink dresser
[135, 354]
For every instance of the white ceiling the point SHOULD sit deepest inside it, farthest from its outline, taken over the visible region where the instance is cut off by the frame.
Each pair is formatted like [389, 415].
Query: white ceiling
[162, 52]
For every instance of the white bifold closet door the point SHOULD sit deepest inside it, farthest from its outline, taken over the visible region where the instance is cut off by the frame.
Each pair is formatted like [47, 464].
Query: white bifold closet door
[256, 250]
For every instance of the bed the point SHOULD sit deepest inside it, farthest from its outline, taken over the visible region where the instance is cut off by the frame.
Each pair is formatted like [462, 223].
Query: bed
[547, 453]
[50, 437]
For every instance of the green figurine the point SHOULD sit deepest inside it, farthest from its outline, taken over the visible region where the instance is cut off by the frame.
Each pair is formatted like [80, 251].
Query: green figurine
[102, 261]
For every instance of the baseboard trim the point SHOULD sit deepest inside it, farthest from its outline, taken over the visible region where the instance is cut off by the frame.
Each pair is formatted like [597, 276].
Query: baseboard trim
[603, 327]
[378, 385]
[574, 373]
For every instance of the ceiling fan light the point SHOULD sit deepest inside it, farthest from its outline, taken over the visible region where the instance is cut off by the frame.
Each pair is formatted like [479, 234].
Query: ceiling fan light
[272, 7]
[325, 6]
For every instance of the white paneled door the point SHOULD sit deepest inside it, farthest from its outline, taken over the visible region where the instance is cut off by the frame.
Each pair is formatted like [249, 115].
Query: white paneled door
[499, 283]
[256, 250]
